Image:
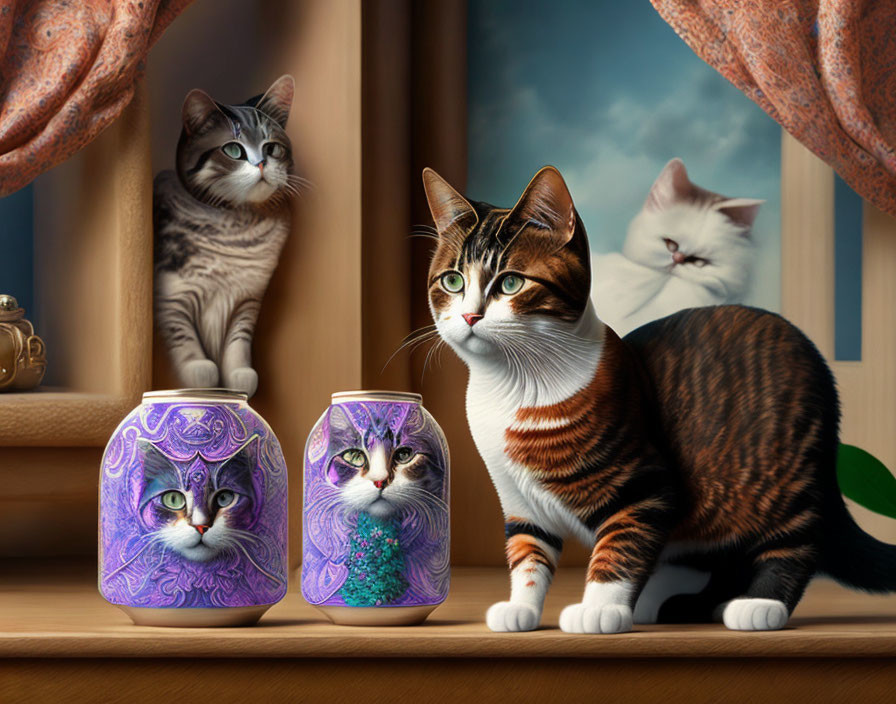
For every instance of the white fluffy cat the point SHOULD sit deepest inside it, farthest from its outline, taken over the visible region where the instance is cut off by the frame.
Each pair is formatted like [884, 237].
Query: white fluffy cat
[688, 247]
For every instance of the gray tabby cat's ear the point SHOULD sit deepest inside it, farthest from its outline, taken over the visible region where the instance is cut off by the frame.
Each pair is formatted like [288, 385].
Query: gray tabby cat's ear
[449, 208]
[198, 108]
[277, 100]
[742, 211]
[546, 202]
[671, 186]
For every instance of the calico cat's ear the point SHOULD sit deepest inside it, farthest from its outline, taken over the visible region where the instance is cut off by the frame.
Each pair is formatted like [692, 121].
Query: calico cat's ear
[742, 211]
[448, 207]
[671, 186]
[547, 203]
[159, 473]
[277, 100]
[198, 108]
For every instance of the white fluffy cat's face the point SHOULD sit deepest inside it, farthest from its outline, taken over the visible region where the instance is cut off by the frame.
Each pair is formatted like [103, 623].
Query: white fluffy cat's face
[698, 243]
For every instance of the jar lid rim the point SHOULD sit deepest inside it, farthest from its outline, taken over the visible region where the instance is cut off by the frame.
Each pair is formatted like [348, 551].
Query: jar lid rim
[376, 395]
[217, 394]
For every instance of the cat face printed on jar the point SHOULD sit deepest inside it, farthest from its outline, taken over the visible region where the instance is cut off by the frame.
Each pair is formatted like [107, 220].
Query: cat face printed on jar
[380, 470]
[198, 508]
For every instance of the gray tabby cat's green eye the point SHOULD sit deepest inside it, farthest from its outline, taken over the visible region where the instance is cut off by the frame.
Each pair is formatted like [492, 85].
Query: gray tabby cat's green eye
[355, 458]
[274, 150]
[403, 455]
[174, 500]
[452, 282]
[511, 284]
[234, 150]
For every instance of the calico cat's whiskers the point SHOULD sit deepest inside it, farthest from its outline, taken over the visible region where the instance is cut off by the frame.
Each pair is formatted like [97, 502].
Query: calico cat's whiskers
[413, 340]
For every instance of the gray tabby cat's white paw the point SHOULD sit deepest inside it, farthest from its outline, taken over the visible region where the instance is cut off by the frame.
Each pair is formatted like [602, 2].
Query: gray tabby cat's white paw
[755, 615]
[200, 374]
[507, 616]
[244, 379]
[609, 618]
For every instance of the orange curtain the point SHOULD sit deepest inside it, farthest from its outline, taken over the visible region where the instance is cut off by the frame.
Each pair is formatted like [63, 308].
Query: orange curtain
[68, 68]
[824, 69]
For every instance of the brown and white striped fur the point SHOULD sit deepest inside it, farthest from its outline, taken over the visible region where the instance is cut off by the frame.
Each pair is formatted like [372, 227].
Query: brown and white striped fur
[220, 223]
[696, 456]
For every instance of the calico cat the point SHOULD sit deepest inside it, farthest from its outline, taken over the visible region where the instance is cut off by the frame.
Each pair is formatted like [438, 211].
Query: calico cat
[688, 247]
[384, 495]
[702, 444]
[201, 509]
[220, 223]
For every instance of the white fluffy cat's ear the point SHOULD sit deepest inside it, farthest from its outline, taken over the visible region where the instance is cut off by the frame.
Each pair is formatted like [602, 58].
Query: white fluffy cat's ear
[547, 202]
[277, 100]
[448, 207]
[672, 186]
[198, 108]
[743, 211]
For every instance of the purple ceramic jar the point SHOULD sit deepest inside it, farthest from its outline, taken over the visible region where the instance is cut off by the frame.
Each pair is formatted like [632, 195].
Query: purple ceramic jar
[193, 512]
[376, 543]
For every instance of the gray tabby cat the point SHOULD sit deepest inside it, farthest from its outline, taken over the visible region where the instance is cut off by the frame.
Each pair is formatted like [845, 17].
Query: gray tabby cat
[220, 222]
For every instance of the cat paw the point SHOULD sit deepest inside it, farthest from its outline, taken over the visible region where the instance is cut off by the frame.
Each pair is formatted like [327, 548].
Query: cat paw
[506, 616]
[243, 379]
[755, 614]
[200, 374]
[609, 618]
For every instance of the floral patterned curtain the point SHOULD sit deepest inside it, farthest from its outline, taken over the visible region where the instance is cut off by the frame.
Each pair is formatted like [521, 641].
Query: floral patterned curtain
[824, 69]
[68, 69]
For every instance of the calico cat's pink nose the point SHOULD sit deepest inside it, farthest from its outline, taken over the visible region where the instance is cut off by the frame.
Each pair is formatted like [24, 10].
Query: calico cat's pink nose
[472, 318]
[201, 529]
[678, 257]
[380, 483]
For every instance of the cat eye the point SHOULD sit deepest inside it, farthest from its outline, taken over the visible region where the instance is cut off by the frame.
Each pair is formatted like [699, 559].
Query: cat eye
[174, 500]
[355, 458]
[275, 150]
[511, 284]
[698, 261]
[224, 498]
[671, 245]
[234, 150]
[403, 455]
[452, 282]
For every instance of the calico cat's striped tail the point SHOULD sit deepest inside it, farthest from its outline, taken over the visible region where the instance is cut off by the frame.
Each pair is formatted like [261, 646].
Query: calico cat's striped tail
[849, 554]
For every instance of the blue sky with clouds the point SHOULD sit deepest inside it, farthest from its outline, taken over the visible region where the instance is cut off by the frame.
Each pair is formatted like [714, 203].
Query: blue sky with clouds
[608, 93]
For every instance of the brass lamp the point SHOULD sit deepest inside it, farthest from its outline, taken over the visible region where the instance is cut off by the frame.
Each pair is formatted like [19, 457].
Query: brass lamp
[23, 357]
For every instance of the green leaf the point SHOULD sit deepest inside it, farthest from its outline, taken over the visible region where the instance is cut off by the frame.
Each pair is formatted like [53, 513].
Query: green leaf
[866, 480]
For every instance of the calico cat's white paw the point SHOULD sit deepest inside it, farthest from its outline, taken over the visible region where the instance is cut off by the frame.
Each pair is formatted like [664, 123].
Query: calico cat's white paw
[755, 615]
[200, 374]
[609, 618]
[508, 616]
[243, 379]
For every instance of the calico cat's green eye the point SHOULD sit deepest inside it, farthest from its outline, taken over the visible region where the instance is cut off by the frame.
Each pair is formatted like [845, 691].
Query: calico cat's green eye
[234, 150]
[452, 282]
[511, 284]
[174, 500]
[355, 458]
[403, 455]
[224, 498]
[274, 150]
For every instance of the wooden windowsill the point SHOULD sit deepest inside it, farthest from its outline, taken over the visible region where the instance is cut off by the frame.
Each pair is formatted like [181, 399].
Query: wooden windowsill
[52, 609]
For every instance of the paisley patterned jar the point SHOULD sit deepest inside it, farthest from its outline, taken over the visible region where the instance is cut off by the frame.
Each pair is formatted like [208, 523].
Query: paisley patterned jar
[193, 512]
[376, 543]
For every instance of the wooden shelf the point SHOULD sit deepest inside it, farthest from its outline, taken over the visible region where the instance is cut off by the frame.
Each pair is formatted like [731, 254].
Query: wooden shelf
[59, 641]
[55, 417]
[54, 610]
